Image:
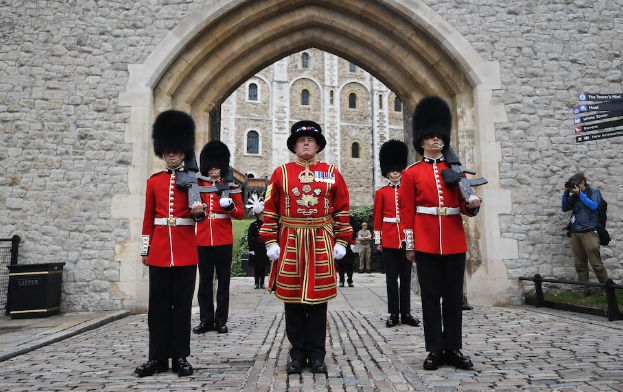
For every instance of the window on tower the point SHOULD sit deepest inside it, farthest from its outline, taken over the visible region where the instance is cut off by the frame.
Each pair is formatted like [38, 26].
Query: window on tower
[253, 92]
[355, 150]
[352, 101]
[253, 142]
[352, 67]
[397, 105]
[305, 60]
[305, 97]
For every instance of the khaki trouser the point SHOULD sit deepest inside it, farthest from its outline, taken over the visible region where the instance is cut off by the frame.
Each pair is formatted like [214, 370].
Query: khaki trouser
[585, 247]
[364, 256]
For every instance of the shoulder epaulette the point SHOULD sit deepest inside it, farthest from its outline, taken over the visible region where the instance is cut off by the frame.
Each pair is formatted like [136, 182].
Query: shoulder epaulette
[157, 173]
[413, 164]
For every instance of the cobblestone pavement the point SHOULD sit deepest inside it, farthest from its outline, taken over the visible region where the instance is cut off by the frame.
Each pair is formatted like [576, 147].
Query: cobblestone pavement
[513, 349]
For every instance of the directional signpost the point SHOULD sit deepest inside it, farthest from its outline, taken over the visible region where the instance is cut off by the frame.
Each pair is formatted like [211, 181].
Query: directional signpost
[611, 110]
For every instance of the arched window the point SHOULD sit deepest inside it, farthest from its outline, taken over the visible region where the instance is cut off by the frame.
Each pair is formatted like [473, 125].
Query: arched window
[397, 105]
[354, 150]
[305, 60]
[352, 101]
[352, 67]
[380, 101]
[331, 97]
[250, 175]
[253, 92]
[253, 142]
[305, 97]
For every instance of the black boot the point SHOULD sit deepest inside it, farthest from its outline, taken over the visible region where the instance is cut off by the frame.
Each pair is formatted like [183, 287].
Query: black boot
[151, 367]
[392, 321]
[182, 367]
[433, 360]
[458, 360]
[407, 319]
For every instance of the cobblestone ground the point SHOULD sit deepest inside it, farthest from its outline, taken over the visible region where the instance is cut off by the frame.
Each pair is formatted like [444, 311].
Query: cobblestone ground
[514, 349]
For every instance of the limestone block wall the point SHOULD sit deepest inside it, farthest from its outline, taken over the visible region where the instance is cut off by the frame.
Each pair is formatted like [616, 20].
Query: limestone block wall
[64, 153]
[548, 52]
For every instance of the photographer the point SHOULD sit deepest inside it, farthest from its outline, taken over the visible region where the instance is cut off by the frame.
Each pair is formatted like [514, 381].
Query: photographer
[583, 201]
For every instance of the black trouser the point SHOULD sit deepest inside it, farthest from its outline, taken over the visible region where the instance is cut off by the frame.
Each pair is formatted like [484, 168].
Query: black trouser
[346, 266]
[171, 291]
[397, 267]
[306, 328]
[259, 273]
[210, 258]
[441, 278]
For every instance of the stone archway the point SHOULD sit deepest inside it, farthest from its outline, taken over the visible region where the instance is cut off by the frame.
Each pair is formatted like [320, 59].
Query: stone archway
[407, 46]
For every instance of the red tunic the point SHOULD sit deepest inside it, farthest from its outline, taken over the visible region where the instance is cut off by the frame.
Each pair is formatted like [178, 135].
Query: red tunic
[216, 229]
[306, 212]
[173, 246]
[386, 205]
[421, 186]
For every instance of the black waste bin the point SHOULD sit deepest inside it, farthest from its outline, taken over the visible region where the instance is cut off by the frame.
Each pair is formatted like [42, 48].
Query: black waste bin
[35, 289]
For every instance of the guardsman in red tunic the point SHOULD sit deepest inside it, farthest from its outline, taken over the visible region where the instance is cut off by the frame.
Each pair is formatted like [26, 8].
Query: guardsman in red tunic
[387, 236]
[168, 248]
[214, 236]
[306, 228]
[431, 220]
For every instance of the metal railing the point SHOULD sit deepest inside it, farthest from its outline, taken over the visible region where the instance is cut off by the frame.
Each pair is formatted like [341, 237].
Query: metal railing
[8, 256]
[613, 313]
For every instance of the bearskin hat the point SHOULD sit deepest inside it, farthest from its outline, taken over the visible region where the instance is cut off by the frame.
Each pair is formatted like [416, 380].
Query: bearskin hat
[214, 154]
[431, 117]
[173, 130]
[394, 155]
[306, 128]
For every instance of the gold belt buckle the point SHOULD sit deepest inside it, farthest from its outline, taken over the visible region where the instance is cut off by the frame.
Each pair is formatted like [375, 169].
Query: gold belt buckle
[442, 211]
[171, 222]
[397, 220]
[211, 215]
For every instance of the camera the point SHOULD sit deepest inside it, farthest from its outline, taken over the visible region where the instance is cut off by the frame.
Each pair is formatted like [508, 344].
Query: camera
[570, 184]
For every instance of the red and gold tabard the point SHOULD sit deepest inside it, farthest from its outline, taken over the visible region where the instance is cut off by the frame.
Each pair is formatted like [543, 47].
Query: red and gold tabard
[386, 217]
[422, 185]
[306, 210]
[169, 245]
[216, 228]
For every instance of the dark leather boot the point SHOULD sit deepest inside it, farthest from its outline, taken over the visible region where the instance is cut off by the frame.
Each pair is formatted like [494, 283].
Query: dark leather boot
[151, 367]
[221, 327]
[392, 321]
[407, 319]
[458, 360]
[204, 327]
[182, 367]
[434, 360]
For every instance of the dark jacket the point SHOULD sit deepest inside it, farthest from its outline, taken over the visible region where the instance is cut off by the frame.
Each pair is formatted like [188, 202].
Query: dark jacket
[585, 216]
[259, 258]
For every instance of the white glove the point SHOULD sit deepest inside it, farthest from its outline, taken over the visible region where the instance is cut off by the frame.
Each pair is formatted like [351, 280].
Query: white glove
[339, 251]
[252, 253]
[352, 248]
[226, 202]
[273, 252]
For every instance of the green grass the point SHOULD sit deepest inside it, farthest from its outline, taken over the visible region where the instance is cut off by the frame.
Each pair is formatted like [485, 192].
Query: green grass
[593, 301]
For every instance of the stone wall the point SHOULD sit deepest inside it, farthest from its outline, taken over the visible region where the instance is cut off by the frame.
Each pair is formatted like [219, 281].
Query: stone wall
[549, 52]
[63, 153]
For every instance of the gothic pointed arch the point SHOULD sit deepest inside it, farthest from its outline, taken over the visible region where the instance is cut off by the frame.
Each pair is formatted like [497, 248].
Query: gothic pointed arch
[406, 45]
